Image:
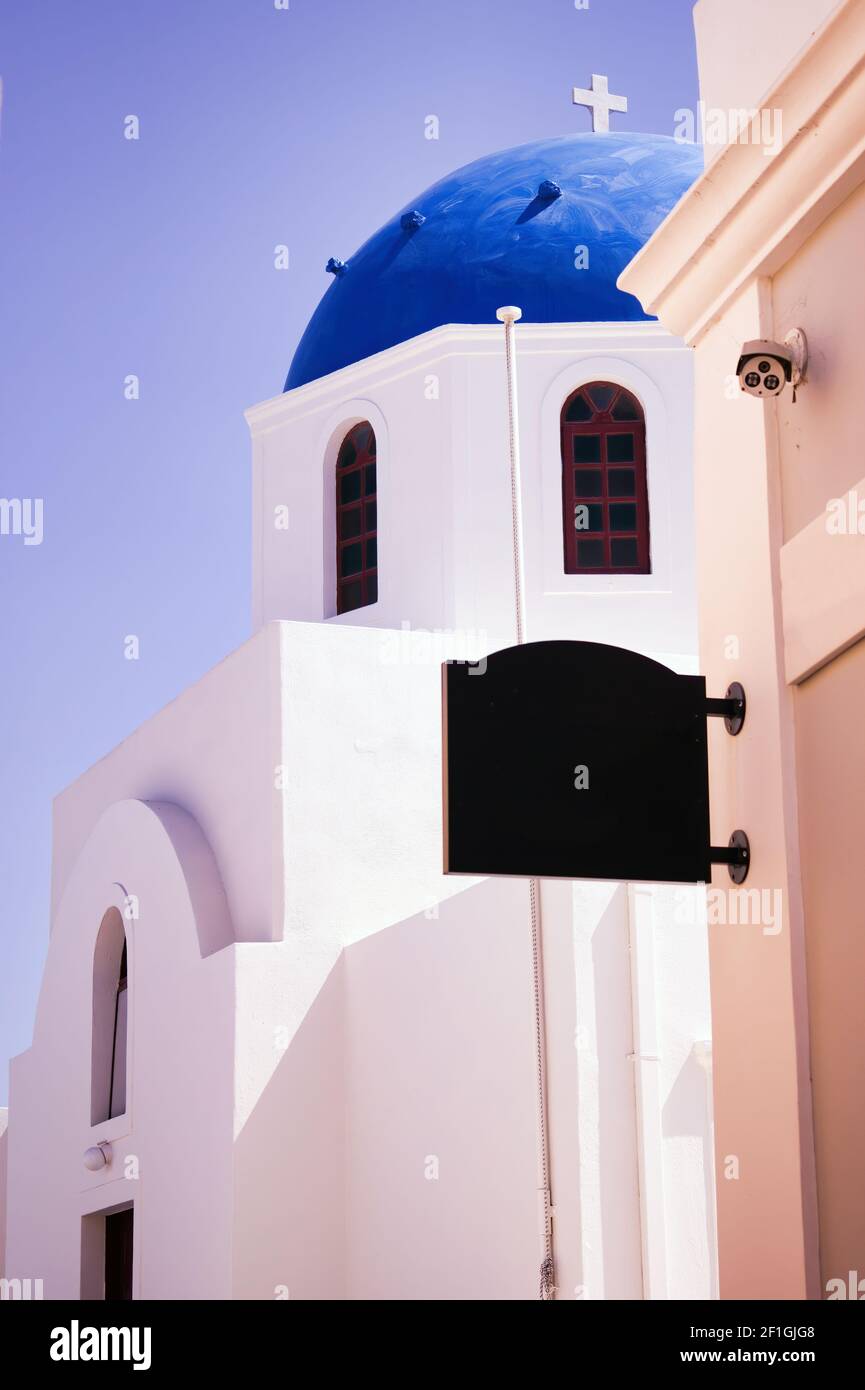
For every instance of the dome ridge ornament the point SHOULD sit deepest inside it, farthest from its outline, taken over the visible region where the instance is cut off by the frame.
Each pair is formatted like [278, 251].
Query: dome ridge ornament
[410, 221]
[548, 189]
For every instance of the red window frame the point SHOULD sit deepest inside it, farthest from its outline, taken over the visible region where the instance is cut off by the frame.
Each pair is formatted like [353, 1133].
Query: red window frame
[617, 541]
[356, 520]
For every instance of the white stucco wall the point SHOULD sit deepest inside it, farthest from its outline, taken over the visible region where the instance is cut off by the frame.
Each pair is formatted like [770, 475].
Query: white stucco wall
[416, 1057]
[444, 493]
[212, 751]
[394, 1024]
[172, 1154]
[287, 1095]
[368, 1016]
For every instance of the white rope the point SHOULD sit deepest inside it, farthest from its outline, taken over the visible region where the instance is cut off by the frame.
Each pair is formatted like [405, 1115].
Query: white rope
[508, 317]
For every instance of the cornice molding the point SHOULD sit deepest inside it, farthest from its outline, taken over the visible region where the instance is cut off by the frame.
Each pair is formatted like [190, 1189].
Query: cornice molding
[451, 340]
[750, 211]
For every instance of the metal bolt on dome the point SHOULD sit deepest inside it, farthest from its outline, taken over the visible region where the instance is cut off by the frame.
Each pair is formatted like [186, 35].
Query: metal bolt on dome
[410, 221]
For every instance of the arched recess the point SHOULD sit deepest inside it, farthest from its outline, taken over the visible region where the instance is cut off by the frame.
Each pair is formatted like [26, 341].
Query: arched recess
[151, 863]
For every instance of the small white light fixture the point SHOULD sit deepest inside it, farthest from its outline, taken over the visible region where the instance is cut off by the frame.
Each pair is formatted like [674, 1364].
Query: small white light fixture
[99, 1156]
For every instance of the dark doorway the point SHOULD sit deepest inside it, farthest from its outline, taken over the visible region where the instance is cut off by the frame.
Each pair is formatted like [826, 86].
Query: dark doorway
[118, 1256]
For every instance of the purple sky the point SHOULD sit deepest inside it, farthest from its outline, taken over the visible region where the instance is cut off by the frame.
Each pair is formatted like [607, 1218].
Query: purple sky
[155, 257]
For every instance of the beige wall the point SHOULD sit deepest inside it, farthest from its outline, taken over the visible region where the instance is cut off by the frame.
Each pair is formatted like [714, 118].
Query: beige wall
[4, 1120]
[831, 760]
[820, 437]
[820, 449]
[757, 976]
[759, 247]
[742, 46]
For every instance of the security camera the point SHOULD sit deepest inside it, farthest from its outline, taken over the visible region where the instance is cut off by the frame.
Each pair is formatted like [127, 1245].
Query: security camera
[765, 367]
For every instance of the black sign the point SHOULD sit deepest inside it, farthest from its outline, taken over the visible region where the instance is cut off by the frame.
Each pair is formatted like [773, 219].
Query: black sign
[576, 760]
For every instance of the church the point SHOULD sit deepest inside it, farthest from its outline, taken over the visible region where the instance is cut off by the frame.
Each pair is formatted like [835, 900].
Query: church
[278, 1052]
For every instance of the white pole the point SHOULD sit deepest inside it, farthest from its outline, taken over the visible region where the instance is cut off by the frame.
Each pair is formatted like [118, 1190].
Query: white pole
[647, 1089]
[508, 315]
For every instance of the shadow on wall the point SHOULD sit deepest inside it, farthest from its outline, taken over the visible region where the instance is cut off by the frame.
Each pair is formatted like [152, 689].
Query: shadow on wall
[616, 1102]
[289, 1238]
[687, 1113]
[392, 1154]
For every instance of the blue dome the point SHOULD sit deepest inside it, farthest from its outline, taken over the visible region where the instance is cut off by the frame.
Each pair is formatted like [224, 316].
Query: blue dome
[503, 230]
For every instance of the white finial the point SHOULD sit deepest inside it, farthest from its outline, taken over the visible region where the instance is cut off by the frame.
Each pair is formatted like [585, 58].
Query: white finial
[509, 313]
[599, 101]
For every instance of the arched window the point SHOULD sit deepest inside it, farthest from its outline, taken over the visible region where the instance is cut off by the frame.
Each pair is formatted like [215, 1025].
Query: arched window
[604, 496]
[110, 1017]
[356, 520]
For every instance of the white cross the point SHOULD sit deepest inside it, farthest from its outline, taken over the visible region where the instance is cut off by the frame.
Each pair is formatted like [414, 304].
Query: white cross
[599, 101]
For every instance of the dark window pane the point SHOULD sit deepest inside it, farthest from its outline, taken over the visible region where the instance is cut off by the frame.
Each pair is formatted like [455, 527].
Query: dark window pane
[350, 559]
[347, 454]
[355, 518]
[620, 482]
[623, 552]
[587, 448]
[601, 395]
[118, 1052]
[349, 487]
[350, 596]
[590, 554]
[626, 408]
[371, 588]
[578, 409]
[620, 448]
[623, 516]
[587, 482]
[588, 516]
[119, 1229]
[371, 554]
